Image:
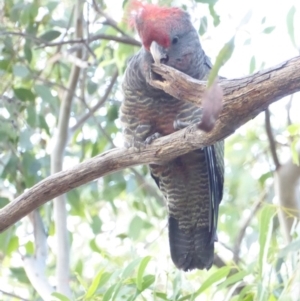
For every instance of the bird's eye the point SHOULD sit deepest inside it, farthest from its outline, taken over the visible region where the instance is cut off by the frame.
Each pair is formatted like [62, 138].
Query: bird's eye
[175, 40]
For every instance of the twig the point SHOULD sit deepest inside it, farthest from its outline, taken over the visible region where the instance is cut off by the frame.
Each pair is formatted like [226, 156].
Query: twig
[98, 105]
[244, 99]
[57, 155]
[35, 266]
[288, 110]
[13, 295]
[22, 34]
[100, 36]
[239, 239]
[50, 83]
[271, 139]
[110, 21]
[149, 187]
[43, 43]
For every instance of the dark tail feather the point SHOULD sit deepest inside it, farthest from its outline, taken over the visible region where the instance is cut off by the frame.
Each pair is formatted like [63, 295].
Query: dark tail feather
[190, 249]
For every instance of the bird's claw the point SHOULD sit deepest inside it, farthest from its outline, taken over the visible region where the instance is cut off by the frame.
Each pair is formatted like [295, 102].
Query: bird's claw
[153, 137]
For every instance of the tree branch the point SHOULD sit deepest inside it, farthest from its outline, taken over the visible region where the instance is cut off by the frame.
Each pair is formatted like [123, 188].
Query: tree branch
[244, 99]
[35, 266]
[13, 295]
[271, 139]
[99, 104]
[110, 21]
[57, 156]
[286, 181]
[42, 43]
[246, 223]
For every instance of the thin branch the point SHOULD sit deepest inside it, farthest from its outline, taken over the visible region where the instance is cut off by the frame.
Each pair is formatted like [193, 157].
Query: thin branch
[50, 83]
[149, 187]
[43, 43]
[35, 273]
[98, 105]
[22, 34]
[57, 156]
[239, 239]
[271, 139]
[244, 99]
[100, 36]
[109, 21]
[35, 266]
[288, 110]
[287, 191]
[13, 295]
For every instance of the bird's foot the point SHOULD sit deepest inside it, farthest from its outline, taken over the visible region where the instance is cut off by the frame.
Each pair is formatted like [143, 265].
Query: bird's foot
[179, 124]
[152, 137]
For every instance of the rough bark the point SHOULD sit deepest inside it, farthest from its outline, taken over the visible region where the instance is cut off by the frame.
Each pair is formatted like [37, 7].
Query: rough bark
[244, 98]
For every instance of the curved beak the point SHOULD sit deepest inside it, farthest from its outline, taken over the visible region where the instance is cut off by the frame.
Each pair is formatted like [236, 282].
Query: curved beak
[158, 53]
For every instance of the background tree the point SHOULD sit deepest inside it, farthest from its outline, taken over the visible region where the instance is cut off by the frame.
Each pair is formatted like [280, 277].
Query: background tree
[61, 65]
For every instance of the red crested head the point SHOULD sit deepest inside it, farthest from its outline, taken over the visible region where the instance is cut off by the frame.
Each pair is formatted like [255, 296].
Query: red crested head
[155, 23]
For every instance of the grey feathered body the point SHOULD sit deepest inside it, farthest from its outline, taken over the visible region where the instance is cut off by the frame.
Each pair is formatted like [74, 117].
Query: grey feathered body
[192, 184]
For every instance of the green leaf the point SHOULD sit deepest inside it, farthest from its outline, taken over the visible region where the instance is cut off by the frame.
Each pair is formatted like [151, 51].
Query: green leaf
[140, 272]
[6, 65]
[233, 279]
[294, 129]
[24, 94]
[212, 2]
[246, 18]
[290, 24]
[147, 281]
[51, 5]
[223, 56]
[203, 26]
[162, 296]
[214, 14]
[13, 245]
[29, 246]
[50, 35]
[246, 290]
[28, 52]
[96, 222]
[269, 29]
[43, 124]
[117, 289]
[31, 116]
[95, 283]
[128, 271]
[265, 232]
[44, 92]
[105, 277]
[293, 246]
[91, 87]
[20, 275]
[215, 277]
[247, 42]
[252, 65]
[20, 71]
[94, 246]
[3, 202]
[108, 294]
[135, 227]
[5, 238]
[60, 297]
[262, 179]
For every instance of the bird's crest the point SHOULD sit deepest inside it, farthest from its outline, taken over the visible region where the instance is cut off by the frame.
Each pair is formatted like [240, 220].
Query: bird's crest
[154, 23]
